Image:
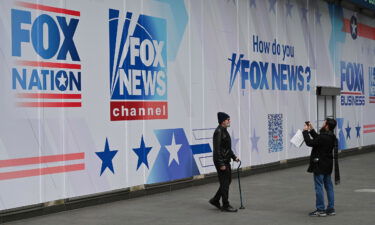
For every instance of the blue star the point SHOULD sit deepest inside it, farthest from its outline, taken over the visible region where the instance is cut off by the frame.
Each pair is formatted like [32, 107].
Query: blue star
[253, 3]
[318, 15]
[106, 156]
[289, 9]
[234, 142]
[142, 153]
[304, 13]
[348, 131]
[272, 6]
[358, 129]
[254, 142]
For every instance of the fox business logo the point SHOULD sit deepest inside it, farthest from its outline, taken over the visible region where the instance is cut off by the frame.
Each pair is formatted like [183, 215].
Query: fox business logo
[46, 33]
[138, 67]
[352, 84]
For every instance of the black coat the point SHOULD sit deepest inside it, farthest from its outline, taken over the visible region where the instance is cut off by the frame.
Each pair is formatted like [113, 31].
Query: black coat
[322, 147]
[222, 147]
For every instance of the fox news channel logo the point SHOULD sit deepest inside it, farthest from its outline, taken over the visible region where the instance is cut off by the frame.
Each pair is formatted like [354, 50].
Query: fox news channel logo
[138, 67]
[43, 49]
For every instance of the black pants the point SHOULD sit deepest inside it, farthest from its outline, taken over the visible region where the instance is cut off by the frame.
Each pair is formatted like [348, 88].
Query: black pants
[225, 178]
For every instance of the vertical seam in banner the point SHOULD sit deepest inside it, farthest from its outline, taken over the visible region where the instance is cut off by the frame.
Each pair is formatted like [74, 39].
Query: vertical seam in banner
[203, 74]
[190, 79]
[126, 125]
[239, 89]
[249, 94]
[277, 60]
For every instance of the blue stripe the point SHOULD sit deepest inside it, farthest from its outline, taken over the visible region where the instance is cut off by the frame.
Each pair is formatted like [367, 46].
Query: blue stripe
[200, 148]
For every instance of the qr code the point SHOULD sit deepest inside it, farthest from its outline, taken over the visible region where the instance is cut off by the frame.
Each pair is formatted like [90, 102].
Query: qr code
[275, 133]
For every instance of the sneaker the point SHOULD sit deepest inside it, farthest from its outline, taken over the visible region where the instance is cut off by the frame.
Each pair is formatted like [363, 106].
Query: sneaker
[330, 212]
[318, 213]
[215, 203]
[228, 209]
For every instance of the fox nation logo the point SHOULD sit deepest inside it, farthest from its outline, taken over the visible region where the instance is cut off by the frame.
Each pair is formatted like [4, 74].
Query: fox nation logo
[138, 67]
[46, 61]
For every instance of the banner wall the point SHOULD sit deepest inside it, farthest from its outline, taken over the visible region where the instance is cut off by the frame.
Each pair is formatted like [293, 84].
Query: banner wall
[102, 95]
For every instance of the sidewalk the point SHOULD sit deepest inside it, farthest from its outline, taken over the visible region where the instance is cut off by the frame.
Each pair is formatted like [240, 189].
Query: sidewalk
[282, 197]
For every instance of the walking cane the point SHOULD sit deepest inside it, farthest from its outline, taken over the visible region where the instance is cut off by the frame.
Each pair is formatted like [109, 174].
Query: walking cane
[239, 184]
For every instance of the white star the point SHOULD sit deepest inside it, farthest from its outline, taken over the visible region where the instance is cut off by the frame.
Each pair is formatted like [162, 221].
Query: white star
[62, 81]
[354, 27]
[173, 151]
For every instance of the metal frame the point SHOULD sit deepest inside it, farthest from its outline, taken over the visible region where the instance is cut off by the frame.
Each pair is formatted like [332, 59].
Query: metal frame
[325, 92]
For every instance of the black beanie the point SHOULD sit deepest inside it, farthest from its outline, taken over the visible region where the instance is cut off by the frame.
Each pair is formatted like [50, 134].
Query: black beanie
[221, 116]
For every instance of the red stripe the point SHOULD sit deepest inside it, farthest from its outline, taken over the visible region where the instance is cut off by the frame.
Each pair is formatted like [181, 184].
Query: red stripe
[371, 97]
[346, 27]
[369, 131]
[363, 29]
[41, 171]
[351, 93]
[41, 159]
[372, 101]
[49, 96]
[369, 126]
[48, 8]
[48, 64]
[366, 31]
[49, 104]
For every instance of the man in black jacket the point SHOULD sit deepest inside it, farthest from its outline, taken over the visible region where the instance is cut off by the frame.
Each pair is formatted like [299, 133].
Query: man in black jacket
[222, 156]
[321, 164]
